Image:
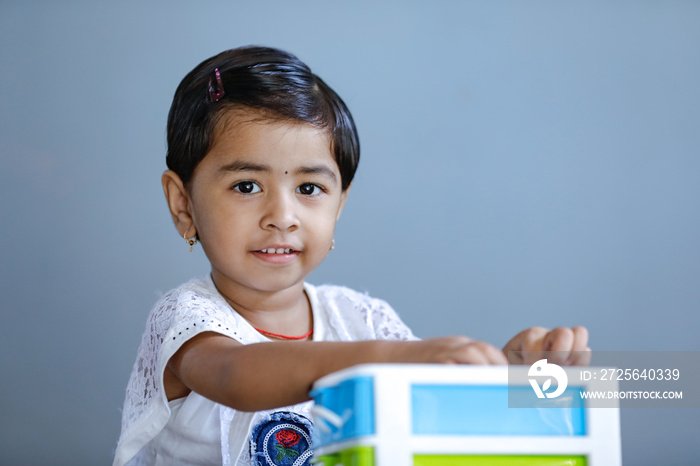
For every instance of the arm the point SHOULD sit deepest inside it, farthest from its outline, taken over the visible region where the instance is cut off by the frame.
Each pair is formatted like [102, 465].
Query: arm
[249, 377]
[570, 345]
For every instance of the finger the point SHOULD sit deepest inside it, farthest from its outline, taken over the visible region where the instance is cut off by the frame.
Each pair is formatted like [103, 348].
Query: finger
[533, 338]
[471, 354]
[478, 352]
[579, 355]
[580, 338]
[560, 341]
[530, 347]
[496, 356]
[513, 357]
[493, 355]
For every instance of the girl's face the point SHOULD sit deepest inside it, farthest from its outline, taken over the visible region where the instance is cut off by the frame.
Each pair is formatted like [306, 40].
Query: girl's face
[265, 201]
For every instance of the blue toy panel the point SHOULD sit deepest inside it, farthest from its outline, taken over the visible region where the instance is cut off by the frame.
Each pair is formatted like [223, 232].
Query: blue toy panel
[353, 401]
[483, 410]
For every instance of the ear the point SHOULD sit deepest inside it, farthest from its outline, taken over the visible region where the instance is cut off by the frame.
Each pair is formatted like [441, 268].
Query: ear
[179, 203]
[343, 198]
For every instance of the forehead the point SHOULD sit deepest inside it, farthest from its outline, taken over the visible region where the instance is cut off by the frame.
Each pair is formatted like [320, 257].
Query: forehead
[258, 135]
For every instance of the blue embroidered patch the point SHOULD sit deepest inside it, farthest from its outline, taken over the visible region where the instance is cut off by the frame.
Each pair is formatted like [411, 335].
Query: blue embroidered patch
[284, 439]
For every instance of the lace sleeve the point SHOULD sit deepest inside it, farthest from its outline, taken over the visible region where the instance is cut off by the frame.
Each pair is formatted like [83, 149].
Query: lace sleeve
[386, 322]
[356, 316]
[177, 317]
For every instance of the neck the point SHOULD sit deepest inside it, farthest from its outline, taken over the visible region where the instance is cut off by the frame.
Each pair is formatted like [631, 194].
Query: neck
[282, 314]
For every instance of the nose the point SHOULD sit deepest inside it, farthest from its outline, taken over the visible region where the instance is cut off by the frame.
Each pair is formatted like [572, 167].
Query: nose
[280, 212]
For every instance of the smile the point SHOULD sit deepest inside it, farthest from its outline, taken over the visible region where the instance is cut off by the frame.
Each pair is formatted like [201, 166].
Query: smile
[277, 256]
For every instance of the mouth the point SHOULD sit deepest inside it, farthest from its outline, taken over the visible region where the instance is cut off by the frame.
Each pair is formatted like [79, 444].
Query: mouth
[277, 251]
[278, 254]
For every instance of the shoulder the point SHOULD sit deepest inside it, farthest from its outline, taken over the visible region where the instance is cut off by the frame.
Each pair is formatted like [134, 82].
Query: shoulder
[188, 297]
[358, 315]
[194, 307]
[348, 299]
[198, 288]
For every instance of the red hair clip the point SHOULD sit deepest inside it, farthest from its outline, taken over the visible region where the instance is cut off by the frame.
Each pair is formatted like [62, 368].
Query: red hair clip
[215, 94]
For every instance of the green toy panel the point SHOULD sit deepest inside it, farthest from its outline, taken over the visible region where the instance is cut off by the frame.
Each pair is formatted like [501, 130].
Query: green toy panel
[355, 456]
[500, 460]
[364, 456]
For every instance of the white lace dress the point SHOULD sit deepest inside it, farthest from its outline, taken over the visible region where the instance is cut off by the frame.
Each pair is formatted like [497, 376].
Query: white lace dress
[197, 431]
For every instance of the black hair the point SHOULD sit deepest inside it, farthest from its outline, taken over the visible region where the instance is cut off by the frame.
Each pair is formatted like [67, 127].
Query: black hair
[272, 81]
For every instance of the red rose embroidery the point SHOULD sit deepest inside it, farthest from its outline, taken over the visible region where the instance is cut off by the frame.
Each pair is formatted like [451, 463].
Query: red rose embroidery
[287, 438]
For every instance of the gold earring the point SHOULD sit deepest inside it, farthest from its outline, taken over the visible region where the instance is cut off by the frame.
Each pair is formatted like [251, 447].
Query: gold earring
[332, 244]
[191, 241]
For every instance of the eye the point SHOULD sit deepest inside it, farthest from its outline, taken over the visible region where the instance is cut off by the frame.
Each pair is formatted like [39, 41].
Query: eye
[247, 187]
[309, 189]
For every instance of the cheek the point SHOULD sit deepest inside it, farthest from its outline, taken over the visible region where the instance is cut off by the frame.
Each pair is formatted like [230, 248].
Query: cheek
[325, 221]
[212, 226]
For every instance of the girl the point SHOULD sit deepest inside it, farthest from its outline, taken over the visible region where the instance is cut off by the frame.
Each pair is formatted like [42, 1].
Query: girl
[261, 156]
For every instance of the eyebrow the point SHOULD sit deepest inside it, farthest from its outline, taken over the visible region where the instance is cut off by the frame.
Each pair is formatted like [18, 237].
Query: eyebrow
[243, 166]
[318, 170]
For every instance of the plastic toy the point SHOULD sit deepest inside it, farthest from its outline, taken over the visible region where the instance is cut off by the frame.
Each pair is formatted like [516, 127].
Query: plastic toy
[433, 415]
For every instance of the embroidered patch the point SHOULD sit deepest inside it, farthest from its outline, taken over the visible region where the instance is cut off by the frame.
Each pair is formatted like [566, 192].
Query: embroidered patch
[284, 439]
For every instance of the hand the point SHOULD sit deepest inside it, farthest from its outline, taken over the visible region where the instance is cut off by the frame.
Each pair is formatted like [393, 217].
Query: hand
[454, 350]
[570, 346]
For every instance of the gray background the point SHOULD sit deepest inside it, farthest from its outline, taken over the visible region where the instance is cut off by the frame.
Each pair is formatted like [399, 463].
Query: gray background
[524, 163]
